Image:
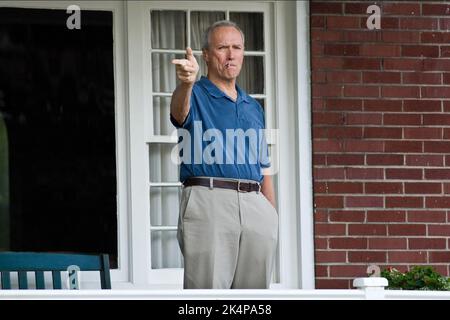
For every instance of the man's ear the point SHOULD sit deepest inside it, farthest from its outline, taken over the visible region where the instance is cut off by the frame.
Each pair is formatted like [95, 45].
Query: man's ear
[205, 55]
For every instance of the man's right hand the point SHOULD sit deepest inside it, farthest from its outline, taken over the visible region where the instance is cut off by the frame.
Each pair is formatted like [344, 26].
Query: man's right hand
[187, 69]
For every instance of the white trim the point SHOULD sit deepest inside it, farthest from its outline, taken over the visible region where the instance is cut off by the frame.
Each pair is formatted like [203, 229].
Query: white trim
[120, 79]
[304, 160]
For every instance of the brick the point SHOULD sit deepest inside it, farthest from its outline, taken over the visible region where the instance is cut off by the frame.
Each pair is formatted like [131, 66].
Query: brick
[367, 229]
[341, 49]
[362, 36]
[318, 104]
[435, 92]
[332, 283]
[381, 77]
[419, 23]
[325, 7]
[421, 78]
[343, 77]
[437, 174]
[422, 133]
[345, 132]
[364, 173]
[410, 64]
[436, 64]
[402, 119]
[318, 77]
[317, 21]
[345, 187]
[425, 160]
[343, 104]
[436, 9]
[347, 216]
[384, 159]
[387, 243]
[328, 118]
[436, 119]
[445, 51]
[320, 187]
[399, 37]
[435, 37]
[446, 78]
[421, 105]
[364, 202]
[327, 146]
[436, 147]
[327, 229]
[422, 188]
[420, 51]
[326, 90]
[361, 64]
[361, 91]
[403, 146]
[446, 188]
[321, 35]
[363, 146]
[321, 271]
[407, 229]
[356, 8]
[386, 216]
[329, 173]
[382, 105]
[382, 132]
[404, 202]
[380, 50]
[444, 24]
[365, 118]
[348, 271]
[345, 159]
[439, 230]
[404, 174]
[397, 8]
[439, 256]
[437, 202]
[321, 63]
[427, 243]
[446, 105]
[320, 243]
[426, 216]
[383, 187]
[343, 22]
[401, 92]
[348, 243]
[407, 256]
[330, 256]
[367, 256]
[320, 132]
[328, 201]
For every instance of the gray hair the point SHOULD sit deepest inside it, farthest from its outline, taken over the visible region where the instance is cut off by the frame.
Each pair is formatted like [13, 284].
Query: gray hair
[215, 25]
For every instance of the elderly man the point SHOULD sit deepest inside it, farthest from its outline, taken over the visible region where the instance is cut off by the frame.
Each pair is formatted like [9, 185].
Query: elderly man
[228, 225]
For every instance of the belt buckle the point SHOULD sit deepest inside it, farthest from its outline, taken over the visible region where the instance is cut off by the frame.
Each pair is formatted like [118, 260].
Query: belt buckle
[239, 187]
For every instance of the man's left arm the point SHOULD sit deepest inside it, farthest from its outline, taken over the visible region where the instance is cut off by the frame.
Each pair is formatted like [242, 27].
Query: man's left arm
[267, 187]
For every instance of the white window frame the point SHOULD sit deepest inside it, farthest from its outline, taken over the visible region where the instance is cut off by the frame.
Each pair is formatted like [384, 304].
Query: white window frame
[120, 275]
[296, 230]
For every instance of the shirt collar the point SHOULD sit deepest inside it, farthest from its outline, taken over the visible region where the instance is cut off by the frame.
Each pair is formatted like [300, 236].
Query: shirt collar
[217, 93]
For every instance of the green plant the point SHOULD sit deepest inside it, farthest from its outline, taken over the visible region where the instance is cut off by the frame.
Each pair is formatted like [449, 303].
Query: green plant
[418, 278]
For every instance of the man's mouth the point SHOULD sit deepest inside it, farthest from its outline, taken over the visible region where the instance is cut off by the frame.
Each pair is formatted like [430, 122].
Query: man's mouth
[229, 65]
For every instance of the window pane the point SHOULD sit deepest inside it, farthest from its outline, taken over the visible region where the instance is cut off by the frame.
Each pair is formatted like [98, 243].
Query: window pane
[164, 206]
[200, 21]
[165, 250]
[161, 116]
[162, 169]
[251, 78]
[252, 24]
[57, 105]
[164, 74]
[168, 29]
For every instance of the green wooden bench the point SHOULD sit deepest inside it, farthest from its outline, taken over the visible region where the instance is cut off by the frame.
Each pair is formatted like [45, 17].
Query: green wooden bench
[23, 262]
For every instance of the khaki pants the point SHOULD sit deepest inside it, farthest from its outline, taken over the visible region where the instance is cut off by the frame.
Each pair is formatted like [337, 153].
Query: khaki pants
[228, 238]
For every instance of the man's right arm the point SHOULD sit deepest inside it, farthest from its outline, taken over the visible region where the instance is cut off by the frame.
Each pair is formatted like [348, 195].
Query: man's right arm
[187, 70]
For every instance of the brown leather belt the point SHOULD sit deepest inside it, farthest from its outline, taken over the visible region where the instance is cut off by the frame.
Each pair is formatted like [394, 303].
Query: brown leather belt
[211, 183]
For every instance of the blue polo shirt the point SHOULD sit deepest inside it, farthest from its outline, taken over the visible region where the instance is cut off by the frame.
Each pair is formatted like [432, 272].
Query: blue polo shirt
[221, 137]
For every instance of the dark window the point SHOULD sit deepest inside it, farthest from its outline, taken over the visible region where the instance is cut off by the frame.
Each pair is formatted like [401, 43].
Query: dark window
[57, 133]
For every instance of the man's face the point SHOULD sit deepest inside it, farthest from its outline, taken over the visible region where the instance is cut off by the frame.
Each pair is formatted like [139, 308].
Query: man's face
[225, 54]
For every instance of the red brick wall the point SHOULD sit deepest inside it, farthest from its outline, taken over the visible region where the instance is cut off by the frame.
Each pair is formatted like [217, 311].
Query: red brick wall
[381, 130]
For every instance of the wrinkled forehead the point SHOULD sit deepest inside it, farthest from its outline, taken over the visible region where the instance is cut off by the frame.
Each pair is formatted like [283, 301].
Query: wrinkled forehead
[226, 35]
